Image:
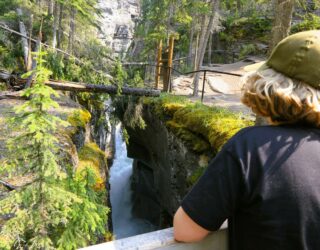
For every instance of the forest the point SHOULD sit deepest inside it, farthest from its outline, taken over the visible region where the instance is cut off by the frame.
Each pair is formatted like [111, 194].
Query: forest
[56, 206]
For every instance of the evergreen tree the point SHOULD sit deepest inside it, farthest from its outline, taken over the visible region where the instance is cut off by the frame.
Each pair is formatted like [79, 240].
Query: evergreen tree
[55, 210]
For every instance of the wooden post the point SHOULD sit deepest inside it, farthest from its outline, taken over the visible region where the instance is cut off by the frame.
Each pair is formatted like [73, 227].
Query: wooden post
[159, 63]
[170, 57]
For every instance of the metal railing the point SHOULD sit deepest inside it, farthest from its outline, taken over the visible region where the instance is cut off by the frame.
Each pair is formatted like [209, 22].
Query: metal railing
[172, 70]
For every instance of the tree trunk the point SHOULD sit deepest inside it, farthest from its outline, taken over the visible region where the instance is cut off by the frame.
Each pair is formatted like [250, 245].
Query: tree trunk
[50, 7]
[190, 53]
[72, 30]
[283, 10]
[24, 40]
[60, 29]
[29, 64]
[94, 88]
[204, 41]
[39, 4]
[34, 65]
[210, 49]
[83, 87]
[55, 24]
[34, 61]
[199, 50]
[239, 6]
[196, 52]
[282, 21]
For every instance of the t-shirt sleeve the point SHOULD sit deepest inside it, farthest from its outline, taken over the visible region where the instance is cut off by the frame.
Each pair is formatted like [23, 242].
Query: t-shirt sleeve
[216, 195]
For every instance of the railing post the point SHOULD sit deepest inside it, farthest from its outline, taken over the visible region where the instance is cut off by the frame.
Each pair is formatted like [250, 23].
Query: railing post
[145, 73]
[204, 81]
[170, 82]
[170, 57]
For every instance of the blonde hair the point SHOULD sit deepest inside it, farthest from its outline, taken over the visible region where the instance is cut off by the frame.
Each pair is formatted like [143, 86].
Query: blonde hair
[281, 99]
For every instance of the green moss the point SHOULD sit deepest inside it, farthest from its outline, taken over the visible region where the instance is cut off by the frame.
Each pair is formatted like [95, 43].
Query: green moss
[197, 124]
[310, 22]
[195, 142]
[3, 87]
[191, 180]
[5, 242]
[79, 118]
[214, 124]
[166, 105]
[91, 156]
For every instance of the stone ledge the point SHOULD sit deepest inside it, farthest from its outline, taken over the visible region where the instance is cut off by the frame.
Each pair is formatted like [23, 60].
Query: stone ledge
[163, 239]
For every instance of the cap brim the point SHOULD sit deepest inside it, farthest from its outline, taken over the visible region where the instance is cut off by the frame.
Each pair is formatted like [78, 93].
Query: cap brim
[255, 66]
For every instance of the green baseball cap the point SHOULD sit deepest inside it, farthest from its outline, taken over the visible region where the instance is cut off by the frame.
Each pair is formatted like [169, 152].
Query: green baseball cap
[297, 56]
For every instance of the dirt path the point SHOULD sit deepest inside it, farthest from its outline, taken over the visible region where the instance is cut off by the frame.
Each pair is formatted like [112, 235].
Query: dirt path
[220, 89]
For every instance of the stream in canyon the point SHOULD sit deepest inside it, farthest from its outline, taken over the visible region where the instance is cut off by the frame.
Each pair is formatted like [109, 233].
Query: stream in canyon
[124, 223]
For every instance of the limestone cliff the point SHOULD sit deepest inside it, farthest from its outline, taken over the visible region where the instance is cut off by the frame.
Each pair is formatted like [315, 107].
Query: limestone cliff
[117, 23]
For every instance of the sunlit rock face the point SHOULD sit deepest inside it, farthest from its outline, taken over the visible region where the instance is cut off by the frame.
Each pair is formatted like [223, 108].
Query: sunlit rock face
[118, 22]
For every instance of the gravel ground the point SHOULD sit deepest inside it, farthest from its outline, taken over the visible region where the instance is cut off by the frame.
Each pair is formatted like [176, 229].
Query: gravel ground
[220, 90]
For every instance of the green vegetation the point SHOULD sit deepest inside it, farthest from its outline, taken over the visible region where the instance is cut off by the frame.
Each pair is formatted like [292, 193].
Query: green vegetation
[56, 18]
[79, 118]
[244, 27]
[203, 128]
[192, 179]
[56, 208]
[310, 22]
[93, 158]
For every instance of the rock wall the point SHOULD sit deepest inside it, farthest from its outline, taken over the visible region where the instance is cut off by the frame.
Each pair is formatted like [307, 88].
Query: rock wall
[163, 167]
[118, 22]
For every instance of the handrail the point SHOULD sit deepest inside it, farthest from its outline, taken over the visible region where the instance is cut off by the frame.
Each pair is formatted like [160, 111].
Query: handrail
[163, 239]
[185, 73]
[182, 73]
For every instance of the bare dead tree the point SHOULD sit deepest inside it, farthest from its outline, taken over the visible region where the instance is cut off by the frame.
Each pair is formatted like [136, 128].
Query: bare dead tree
[214, 18]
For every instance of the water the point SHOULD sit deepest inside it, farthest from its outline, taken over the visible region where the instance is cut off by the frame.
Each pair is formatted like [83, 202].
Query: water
[124, 224]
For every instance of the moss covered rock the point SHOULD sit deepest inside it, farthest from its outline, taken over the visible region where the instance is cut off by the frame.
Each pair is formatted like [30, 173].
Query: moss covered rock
[79, 118]
[92, 157]
[201, 127]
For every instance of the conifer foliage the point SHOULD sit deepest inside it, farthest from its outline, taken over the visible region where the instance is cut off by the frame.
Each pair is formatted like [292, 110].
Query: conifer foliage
[57, 209]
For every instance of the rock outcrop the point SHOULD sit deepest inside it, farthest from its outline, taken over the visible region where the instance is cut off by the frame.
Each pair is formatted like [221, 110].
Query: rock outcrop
[172, 141]
[163, 170]
[117, 23]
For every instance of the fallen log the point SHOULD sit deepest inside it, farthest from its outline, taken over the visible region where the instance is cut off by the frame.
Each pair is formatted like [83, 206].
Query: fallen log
[17, 82]
[109, 89]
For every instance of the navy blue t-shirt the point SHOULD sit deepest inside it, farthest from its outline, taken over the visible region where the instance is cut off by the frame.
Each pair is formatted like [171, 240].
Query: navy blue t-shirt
[266, 181]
